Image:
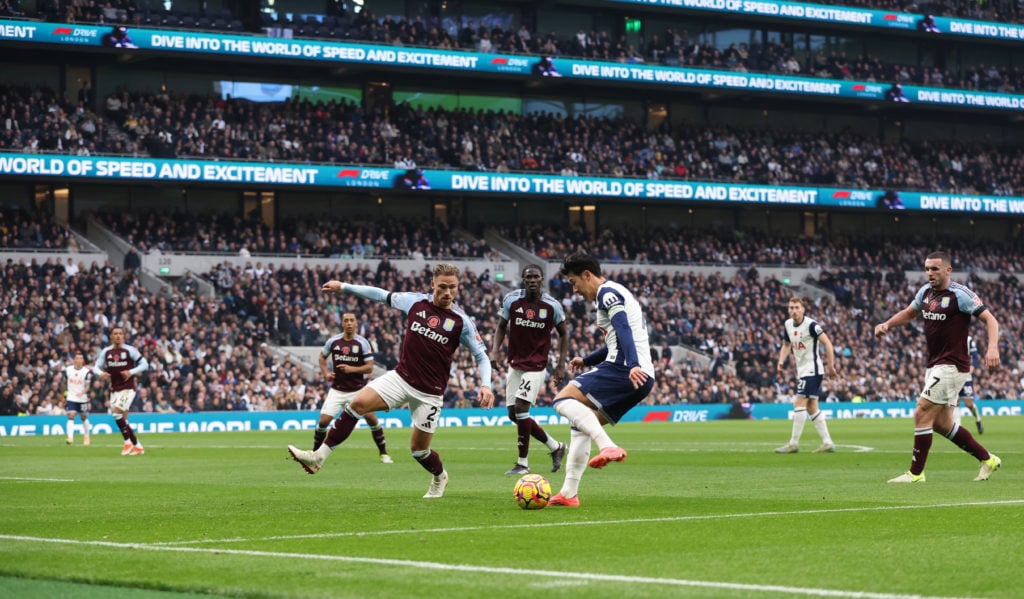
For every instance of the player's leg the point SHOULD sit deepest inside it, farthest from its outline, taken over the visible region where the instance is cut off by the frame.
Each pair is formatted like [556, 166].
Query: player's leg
[817, 418]
[86, 425]
[69, 406]
[572, 404]
[122, 425]
[425, 411]
[967, 397]
[556, 449]
[514, 400]
[320, 432]
[933, 403]
[377, 431]
[799, 419]
[924, 417]
[576, 461]
[946, 424]
[366, 400]
[524, 387]
[120, 403]
[581, 413]
[599, 397]
[621, 399]
[334, 403]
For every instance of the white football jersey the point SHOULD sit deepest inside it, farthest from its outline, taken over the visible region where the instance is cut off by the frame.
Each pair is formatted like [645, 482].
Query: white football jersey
[613, 298]
[803, 339]
[78, 383]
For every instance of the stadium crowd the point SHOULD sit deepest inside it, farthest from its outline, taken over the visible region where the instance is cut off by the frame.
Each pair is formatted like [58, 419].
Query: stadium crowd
[673, 47]
[155, 12]
[670, 245]
[339, 238]
[34, 230]
[215, 354]
[161, 125]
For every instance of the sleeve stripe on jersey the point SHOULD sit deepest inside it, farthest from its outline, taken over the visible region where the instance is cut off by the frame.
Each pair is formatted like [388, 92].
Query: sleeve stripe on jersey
[615, 310]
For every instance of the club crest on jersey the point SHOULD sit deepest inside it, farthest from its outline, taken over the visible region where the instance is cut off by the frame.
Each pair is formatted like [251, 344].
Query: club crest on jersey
[433, 321]
[945, 302]
[543, 313]
[449, 324]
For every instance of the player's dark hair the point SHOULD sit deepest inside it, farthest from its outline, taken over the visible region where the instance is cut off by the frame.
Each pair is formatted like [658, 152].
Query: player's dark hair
[940, 255]
[575, 264]
[537, 267]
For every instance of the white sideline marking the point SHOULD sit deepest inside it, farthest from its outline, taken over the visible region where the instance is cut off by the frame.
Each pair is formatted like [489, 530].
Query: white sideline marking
[519, 572]
[373, 533]
[38, 480]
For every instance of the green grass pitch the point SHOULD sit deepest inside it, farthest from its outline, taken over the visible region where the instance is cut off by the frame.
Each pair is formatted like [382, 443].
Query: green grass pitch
[697, 510]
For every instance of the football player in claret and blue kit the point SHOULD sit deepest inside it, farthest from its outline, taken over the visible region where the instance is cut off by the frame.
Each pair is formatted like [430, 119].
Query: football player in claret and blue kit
[947, 308]
[435, 327]
[530, 315]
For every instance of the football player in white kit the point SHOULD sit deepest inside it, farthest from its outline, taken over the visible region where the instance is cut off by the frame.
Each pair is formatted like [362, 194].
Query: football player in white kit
[803, 337]
[78, 377]
[622, 374]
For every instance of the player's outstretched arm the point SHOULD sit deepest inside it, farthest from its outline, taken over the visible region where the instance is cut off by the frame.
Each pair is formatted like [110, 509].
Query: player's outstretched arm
[332, 286]
[375, 294]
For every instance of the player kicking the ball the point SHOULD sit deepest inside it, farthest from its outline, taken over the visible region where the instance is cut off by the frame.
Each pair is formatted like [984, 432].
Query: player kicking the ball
[623, 375]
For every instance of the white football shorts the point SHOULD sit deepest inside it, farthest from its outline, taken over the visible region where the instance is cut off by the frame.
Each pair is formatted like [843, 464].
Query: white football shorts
[424, 408]
[523, 385]
[942, 384]
[336, 402]
[122, 400]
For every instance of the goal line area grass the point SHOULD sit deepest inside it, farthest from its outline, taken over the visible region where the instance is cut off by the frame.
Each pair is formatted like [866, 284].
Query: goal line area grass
[696, 510]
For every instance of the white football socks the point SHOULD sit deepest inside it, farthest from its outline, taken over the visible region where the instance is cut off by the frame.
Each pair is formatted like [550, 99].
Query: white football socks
[799, 418]
[819, 425]
[575, 462]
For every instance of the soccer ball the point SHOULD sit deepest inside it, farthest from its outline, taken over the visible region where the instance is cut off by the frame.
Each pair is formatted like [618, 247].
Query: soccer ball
[532, 492]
